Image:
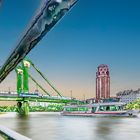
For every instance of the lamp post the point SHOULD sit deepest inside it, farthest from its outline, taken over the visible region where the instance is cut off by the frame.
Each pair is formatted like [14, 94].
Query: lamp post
[71, 94]
[84, 97]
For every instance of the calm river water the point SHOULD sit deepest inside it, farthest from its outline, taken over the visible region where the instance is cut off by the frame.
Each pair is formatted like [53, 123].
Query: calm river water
[55, 127]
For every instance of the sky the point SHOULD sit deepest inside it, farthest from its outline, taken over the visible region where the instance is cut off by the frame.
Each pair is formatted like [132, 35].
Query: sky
[94, 32]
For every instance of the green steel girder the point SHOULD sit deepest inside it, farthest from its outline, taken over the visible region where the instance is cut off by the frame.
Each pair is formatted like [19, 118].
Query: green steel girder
[46, 79]
[25, 67]
[36, 99]
[19, 73]
[39, 85]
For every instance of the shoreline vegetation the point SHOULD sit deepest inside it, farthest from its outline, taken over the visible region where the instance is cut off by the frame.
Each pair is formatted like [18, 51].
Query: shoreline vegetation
[134, 105]
[49, 108]
[57, 107]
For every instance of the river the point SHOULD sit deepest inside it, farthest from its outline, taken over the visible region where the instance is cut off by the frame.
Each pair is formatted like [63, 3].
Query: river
[52, 126]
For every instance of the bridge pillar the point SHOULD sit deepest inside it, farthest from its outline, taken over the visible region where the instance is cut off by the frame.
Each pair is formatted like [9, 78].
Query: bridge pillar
[26, 66]
[19, 73]
[23, 108]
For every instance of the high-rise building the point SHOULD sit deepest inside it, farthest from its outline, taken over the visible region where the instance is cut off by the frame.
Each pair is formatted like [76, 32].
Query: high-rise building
[102, 82]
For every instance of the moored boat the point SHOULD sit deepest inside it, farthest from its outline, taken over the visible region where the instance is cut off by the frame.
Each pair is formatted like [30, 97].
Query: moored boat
[99, 109]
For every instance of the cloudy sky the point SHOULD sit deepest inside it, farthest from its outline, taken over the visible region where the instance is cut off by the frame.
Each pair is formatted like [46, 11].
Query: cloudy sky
[94, 32]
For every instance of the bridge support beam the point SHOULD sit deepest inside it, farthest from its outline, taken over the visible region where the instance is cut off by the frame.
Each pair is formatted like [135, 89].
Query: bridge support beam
[19, 73]
[23, 108]
[25, 67]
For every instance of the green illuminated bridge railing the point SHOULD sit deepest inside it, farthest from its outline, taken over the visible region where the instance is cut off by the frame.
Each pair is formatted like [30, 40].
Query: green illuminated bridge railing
[15, 97]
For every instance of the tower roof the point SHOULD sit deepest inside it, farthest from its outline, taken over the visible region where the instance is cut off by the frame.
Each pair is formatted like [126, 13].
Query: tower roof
[102, 65]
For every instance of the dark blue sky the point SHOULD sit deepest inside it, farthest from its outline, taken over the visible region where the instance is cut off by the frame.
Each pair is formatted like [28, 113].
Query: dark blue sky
[92, 33]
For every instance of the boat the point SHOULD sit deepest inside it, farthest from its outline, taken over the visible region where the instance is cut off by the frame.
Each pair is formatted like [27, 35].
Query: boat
[112, 109]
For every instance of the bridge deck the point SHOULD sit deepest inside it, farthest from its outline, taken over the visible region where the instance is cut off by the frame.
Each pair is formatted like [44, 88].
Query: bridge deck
[15, 97]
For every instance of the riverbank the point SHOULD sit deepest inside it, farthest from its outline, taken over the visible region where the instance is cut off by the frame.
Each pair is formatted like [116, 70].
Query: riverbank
[49, 108]
[15, 114]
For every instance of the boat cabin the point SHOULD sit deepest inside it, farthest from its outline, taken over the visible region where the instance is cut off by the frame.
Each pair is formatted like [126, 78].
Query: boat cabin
[92, 108]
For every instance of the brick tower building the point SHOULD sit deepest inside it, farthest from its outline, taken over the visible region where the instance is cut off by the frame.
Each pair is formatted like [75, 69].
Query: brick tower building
[102, 82]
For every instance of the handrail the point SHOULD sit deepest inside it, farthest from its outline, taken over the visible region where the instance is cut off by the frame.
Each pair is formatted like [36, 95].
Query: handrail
[12, 135]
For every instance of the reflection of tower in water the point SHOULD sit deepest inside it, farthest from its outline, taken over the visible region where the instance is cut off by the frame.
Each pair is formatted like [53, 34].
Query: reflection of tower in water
[102, 82]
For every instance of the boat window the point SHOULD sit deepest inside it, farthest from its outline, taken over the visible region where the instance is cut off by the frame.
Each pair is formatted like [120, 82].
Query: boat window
[93, 109]
[67, 109]
[110, 108]
[83, 109]
[107, 108]
[120, 107]
[102, 108]
[71, 109]
[74, 109]
[113, 108]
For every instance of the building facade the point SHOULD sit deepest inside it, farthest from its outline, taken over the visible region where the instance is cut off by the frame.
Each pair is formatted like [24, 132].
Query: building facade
[106, 100]
[102, 82]
[128, 96]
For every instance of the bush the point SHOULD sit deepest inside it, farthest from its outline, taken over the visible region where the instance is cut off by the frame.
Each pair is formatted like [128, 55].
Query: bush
[134, 105]
[49, 108]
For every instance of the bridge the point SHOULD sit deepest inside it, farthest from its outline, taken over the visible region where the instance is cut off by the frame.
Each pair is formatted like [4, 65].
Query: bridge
[35, 98]
[23, 93]
[47, 17]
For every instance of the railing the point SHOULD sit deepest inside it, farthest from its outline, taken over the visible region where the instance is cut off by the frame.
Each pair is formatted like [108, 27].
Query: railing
[9, 134]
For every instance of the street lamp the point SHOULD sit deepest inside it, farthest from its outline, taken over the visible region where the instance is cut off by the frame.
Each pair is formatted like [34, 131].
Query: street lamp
[71, 94]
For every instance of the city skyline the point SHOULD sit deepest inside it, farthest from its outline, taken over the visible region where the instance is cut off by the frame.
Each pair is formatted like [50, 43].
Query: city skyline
[108, 33]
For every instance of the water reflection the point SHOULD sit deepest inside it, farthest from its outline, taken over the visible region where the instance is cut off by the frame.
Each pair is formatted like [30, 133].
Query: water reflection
[56, 127]
[23, 125]
[104, 127]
